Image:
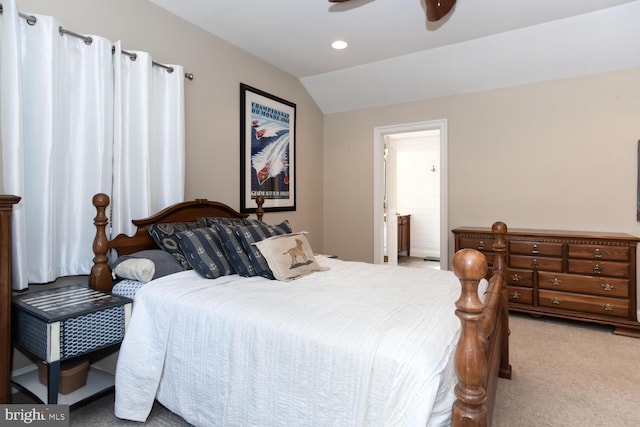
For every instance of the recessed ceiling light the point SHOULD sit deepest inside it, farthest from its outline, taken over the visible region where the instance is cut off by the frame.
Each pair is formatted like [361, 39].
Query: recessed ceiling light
[339, 44]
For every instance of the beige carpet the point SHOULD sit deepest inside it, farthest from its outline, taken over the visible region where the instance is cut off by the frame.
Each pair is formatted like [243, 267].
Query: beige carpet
[565, 374]
[569, 374]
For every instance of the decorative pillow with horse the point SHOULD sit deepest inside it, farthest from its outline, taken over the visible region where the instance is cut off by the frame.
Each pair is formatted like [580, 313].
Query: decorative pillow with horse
[289, 256]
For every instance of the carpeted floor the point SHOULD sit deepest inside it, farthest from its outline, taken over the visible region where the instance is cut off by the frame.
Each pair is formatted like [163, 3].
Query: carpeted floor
[565, 374]
[569, 374]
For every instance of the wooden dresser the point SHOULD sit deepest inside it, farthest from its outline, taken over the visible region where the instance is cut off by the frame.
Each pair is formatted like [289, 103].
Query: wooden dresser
[6, 208]
[586, 276]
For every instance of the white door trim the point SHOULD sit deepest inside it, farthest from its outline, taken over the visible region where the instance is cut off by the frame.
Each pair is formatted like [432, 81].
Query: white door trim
[391, 222]
[379, 187]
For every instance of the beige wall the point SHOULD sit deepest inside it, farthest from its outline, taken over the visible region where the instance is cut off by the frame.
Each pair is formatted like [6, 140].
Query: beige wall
[564, 152]
[564, 145]
[212, 98]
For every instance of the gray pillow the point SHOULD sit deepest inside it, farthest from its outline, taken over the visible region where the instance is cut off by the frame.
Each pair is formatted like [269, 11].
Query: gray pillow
[147, 265]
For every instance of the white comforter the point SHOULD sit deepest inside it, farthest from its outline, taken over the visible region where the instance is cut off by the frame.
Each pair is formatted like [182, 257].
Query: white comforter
[357, 345]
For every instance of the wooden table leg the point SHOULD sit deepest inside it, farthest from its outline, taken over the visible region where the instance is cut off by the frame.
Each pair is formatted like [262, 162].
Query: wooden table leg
[53, 383]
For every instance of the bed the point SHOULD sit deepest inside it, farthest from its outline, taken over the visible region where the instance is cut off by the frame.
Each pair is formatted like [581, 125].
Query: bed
[348, 344]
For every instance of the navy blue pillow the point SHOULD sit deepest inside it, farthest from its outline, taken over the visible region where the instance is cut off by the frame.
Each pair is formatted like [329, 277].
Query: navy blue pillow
[283, 228]
[234, 251]
[255, 232]
[164, 236]
[203, 252]
[210, 221]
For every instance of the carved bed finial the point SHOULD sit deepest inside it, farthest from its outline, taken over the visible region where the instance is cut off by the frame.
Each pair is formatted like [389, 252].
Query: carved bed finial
[260, 209]
[100, 277]
[470, 266]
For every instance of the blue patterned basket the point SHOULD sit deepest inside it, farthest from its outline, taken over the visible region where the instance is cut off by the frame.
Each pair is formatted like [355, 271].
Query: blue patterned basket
[63, 323]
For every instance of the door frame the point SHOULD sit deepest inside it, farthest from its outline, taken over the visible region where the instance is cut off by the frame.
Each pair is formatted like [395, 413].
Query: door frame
[391, 185]
[379, 185]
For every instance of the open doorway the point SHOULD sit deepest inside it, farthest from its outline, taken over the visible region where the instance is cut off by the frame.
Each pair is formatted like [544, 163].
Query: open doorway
[413, 195]
[406, 153]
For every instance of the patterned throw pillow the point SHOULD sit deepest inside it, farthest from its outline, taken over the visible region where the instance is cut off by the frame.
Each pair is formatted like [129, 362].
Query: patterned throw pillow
[283, 228]
[254, 232]
[127, 288]
[234, 251]
[164, 236]
[210, 221]
[239, 253]
[203, 252]
[289, 256]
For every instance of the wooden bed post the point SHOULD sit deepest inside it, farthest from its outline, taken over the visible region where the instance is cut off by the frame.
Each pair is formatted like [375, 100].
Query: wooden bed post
[499, 230]
[470, 360]
[100, 277]
[260, 209]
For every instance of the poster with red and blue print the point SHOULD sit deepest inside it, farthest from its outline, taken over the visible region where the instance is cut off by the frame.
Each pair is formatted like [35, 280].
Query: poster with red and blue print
[267, 138]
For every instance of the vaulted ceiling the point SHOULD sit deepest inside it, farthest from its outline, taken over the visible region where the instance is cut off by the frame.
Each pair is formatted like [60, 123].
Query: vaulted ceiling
[396, 55]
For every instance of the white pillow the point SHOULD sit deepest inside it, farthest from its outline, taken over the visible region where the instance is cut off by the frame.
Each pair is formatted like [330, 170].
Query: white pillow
[146, 265]
[289, 255]
[139, 269]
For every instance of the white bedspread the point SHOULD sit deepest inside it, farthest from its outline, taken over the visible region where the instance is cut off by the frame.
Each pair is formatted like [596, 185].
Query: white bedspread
[357, 345]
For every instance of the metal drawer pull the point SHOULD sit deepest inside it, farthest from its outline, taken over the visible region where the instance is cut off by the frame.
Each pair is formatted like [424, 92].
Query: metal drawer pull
[556, 301]
[515, 277]
[608, 287]
[555, 281]
[481, 245]
[515, 295]
[534, 264]
[535, 250]
[597, 253]
[597, 269]
[607, 307]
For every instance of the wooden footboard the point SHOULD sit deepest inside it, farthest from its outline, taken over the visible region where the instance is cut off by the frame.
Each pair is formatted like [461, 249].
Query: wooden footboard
[483, 349]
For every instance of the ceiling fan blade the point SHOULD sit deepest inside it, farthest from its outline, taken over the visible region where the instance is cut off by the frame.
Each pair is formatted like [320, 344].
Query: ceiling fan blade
[437, 9]
[337, 1]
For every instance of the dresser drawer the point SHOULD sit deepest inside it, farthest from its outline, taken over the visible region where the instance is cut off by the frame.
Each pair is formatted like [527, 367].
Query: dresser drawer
[535, 263]
[520, 277]
[604, 286]
[483, 245]
[520, 295]
[599, 268]
[598, 252]
[586, 276]
[584, 303]
[536, 248]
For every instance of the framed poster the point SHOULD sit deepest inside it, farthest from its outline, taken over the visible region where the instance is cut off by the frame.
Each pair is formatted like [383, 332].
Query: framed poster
[267, 151]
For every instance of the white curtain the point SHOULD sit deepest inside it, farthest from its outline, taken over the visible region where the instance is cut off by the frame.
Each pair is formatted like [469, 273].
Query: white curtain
[61, 143]
[148, 140]
[11, 130]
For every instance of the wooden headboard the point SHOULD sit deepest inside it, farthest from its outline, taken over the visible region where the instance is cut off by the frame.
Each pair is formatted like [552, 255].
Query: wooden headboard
[100, 277]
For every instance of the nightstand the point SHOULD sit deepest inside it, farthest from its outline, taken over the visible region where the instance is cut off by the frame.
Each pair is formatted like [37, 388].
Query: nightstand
[63, 323]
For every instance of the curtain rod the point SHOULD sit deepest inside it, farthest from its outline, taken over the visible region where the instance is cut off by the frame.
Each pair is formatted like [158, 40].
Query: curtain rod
[31, 20]
[133, 56]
